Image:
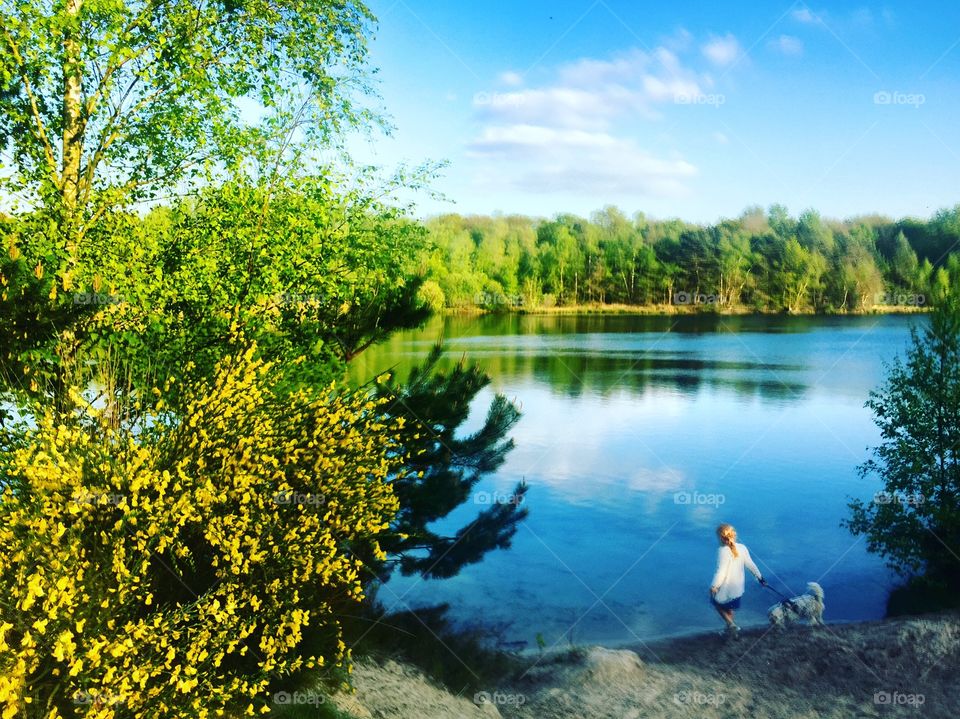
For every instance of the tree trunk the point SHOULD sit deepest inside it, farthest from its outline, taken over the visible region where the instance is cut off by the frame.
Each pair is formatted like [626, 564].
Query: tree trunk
[798, 299]
[72, 124]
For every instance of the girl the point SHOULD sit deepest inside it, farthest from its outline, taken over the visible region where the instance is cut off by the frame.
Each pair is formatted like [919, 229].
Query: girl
[727, 585]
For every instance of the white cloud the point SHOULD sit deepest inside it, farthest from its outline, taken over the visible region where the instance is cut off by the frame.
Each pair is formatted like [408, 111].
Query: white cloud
[681, 40]
[721, 50]
[543, 159]
[804, 15]
[721, 138]
[859, 19]
[579, 133]
[788, 45]
[669, 91]
[591, 72]
[590, 93]
[669, 61]
[657, 481]
[508, 140]
[566, 106]
[511, 78]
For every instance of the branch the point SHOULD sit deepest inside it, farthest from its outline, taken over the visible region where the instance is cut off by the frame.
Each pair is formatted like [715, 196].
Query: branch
[40, 132]
[108, 136]
[106, 139]
[271, 185]
[133, 184]
[112, 66]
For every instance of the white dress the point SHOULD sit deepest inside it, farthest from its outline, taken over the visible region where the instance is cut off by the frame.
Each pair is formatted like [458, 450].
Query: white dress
[730, 575]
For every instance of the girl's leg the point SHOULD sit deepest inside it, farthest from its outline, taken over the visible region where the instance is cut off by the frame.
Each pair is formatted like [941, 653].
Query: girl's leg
[726, 615]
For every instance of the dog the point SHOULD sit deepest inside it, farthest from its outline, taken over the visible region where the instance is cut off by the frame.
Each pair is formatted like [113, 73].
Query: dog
[807, 606]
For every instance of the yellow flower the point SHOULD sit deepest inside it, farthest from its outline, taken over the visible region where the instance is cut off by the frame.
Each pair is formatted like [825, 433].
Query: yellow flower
[65, 646]
[202, 487]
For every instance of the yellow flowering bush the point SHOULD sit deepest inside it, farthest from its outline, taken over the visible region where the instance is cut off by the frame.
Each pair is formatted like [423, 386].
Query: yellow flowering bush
[172, 570]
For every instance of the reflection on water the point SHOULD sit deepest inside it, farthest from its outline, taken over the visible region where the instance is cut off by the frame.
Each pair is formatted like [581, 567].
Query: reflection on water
[639, 435]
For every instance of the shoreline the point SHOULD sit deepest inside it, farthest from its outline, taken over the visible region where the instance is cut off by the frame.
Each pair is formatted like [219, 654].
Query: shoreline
[672, 310]
[902, 667]
[669, 638]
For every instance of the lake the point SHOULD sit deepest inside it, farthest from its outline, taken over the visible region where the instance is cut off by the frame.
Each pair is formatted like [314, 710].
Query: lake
[639, 435]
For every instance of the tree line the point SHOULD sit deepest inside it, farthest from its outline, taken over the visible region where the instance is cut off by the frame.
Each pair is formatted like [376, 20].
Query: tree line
[762, 260]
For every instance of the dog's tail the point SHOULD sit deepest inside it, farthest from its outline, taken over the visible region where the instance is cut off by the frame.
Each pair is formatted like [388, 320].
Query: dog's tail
[816, 590]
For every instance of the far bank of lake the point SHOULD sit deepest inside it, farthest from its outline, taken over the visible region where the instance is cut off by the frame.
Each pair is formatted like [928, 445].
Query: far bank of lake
[683, 309]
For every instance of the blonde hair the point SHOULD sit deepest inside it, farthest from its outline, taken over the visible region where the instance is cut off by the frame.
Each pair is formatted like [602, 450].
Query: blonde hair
[728, 536]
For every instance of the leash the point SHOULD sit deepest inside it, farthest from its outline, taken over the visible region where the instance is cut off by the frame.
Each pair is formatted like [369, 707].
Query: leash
[784, 598]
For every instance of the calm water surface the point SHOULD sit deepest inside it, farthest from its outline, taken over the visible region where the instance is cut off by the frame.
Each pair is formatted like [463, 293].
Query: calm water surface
[638, 436]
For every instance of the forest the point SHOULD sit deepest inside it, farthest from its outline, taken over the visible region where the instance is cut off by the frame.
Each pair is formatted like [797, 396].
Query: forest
[765, 261]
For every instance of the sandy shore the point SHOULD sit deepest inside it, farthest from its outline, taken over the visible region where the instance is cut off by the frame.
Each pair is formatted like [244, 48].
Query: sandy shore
[893, 668]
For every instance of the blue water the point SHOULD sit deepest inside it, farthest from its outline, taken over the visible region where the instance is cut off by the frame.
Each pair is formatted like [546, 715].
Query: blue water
[757, 421]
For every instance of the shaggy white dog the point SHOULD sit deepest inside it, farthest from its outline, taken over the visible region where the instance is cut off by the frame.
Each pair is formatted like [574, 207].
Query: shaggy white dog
[807, 606]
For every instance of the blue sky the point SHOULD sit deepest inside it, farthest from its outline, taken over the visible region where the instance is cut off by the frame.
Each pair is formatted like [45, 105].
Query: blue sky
[683, 109]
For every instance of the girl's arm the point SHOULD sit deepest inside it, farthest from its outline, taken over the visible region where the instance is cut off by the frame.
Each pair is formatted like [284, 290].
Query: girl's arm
[748, 563]
[723, 563]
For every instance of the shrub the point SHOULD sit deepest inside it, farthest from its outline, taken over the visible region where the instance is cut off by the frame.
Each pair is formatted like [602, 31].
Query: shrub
[432, 296]
[915, 520]
[171, 568]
